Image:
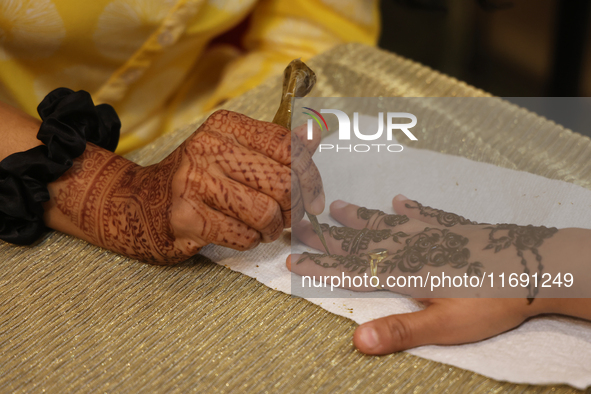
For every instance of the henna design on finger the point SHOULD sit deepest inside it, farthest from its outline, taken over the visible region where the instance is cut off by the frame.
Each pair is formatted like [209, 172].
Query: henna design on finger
[351, 262]
[366, 214]
[523, 238]
[380, 217]
[354, 240]
[237, 182]
[395, 220]
[267, 138]
[446, 219]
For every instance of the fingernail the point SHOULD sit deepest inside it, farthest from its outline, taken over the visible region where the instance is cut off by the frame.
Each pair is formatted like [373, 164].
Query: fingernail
[338, 204]
[400, 197]
[369, 337]
[317, 205]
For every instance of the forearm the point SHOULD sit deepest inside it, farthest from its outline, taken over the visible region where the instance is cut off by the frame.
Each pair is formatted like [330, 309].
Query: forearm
[80, 197]
[76, 197]
[18, 131]
[228, 184]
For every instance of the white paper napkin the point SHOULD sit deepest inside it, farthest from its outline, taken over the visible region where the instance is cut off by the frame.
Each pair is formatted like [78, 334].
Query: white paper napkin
[544, 350]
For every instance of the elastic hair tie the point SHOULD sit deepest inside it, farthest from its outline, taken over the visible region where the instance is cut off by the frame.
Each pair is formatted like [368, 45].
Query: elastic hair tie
[70, 120]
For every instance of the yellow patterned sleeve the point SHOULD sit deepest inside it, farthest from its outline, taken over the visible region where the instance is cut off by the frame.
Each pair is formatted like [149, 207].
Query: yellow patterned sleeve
[281, 30]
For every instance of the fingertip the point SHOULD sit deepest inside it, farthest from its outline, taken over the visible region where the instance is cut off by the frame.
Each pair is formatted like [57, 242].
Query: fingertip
[255, 240]
[317, 206]
[399, 203]
[288, 262]
[338, 204]
[299, 130]
[366, 339]
[399, 198]
[292, 257]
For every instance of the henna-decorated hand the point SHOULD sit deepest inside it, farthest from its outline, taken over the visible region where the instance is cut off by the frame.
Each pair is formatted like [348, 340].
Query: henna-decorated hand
[420, 239]
[229, 184]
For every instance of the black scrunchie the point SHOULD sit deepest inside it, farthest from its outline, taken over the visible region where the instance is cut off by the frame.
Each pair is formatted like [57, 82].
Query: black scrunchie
[70, 119]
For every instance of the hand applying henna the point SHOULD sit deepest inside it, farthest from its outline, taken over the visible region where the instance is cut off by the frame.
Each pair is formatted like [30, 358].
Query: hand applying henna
[230, 184]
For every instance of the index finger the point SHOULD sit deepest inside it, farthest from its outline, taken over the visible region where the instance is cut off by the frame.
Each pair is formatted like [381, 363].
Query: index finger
[267, 138]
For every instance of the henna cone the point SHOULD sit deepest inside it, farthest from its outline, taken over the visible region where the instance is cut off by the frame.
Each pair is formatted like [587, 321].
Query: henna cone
[298, 81]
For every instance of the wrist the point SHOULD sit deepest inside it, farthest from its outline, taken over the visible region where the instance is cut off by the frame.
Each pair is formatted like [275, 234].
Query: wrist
[567, 252]
[78, 198]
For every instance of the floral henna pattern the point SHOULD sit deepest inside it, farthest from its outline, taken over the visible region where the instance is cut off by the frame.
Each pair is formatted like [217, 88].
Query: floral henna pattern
[366, 214]
[395, 220]
[354, 241]
[431, 247]
[523, 238]
[380, 217]
[446, 219]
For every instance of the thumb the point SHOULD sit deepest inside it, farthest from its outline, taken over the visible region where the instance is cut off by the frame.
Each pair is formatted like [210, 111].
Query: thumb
[302, 133]
[400, 332]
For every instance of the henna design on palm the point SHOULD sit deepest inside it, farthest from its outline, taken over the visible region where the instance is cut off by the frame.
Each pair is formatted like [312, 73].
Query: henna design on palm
[354, 240]
[375, 217]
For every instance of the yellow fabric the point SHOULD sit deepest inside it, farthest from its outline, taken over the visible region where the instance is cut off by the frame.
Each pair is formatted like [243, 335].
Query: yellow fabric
[156, 61]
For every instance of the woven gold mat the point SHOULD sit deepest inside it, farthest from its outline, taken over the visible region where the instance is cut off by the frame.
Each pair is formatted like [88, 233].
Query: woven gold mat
[76, 318]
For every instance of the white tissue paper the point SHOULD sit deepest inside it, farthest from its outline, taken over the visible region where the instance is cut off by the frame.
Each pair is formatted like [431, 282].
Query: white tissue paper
[544, 350]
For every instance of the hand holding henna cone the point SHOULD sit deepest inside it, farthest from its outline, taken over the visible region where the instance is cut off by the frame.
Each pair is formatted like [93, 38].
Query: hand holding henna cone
[228, 184]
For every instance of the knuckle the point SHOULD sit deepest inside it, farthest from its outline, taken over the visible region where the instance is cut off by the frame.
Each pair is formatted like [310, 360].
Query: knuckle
[287, 219]
[218, 115]
[222, 120]
[399, 331]
[268, 214]
[192, 247]
[297, 214]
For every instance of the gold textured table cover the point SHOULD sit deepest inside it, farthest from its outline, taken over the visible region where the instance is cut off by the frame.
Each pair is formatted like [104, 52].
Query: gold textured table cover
[77, 318]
